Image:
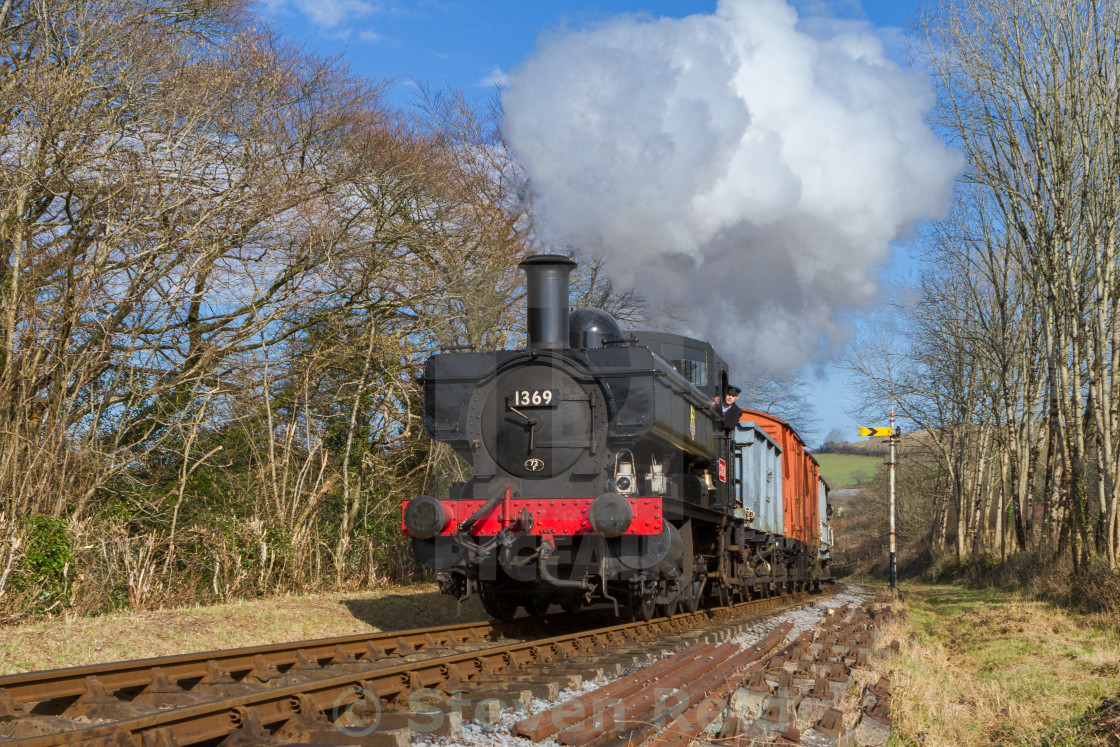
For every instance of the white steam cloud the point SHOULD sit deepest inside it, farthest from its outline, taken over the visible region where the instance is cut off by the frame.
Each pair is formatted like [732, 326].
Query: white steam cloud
[732, 165]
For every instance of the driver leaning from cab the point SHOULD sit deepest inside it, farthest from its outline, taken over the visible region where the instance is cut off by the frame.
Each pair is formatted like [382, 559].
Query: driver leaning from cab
[728, 409]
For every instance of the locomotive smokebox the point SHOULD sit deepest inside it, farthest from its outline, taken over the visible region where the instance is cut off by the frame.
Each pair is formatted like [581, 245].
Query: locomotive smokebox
[546, 282]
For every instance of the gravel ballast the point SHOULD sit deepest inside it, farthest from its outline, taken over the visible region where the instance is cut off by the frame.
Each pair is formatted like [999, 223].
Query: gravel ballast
[498, 734]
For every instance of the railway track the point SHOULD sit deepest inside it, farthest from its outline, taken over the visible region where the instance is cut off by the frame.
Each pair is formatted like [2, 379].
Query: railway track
[72, 682]
[73, 693]
[369, 689]
[767, 691]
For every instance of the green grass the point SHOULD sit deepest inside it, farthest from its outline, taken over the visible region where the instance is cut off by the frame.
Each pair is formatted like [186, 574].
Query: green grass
[990, 668]
[848, 470]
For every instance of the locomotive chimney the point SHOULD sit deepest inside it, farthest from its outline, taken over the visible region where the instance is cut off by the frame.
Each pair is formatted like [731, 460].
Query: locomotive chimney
[546, 280]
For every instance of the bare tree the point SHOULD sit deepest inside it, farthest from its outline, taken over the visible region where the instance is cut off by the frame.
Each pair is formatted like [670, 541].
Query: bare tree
[217, 252]
[1007, 359]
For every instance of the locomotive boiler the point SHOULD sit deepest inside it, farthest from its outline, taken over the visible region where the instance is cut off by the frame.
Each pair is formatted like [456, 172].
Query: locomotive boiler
[600, 471]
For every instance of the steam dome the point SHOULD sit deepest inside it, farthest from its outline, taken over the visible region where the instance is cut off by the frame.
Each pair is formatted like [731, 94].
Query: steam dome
[589, 328]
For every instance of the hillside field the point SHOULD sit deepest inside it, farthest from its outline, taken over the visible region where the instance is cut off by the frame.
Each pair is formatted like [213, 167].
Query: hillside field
[848, 470]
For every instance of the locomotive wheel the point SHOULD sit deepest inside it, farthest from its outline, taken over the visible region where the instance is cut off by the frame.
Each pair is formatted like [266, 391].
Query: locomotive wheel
[669, 608]
[691, 599]
[571, 605]
[498, 605]
[538, 606]
[642, 606]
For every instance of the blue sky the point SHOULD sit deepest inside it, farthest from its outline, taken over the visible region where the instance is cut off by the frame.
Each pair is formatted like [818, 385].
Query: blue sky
[471, 46]
[468, 45]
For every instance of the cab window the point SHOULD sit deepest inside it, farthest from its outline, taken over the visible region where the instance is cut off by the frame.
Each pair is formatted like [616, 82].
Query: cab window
[691, 362]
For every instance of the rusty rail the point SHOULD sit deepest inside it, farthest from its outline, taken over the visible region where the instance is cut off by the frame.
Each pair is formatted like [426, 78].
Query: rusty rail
[32, 687]
[309, 701]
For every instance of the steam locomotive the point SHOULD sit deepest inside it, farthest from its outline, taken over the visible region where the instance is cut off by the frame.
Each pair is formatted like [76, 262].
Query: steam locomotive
[600, 471]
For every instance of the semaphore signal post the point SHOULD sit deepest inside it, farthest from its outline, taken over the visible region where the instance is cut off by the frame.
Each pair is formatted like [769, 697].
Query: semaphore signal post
[892, 436]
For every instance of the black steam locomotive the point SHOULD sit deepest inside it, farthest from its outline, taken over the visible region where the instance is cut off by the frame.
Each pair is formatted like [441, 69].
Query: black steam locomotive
[601, 471]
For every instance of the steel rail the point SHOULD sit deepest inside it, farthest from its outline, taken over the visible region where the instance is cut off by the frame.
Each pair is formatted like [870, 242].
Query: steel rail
[34, 687]
[365, 690]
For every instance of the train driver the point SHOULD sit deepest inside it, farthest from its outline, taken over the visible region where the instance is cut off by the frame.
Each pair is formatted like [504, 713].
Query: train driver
[729, 409]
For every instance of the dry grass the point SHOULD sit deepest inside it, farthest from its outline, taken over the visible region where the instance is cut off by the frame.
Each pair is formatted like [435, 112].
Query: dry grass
[987, 668]
[50, 644]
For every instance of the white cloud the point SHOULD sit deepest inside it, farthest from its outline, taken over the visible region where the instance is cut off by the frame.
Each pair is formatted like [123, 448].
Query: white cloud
[495, 79]
[370, 36]
[326, 14]
[741, 165]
